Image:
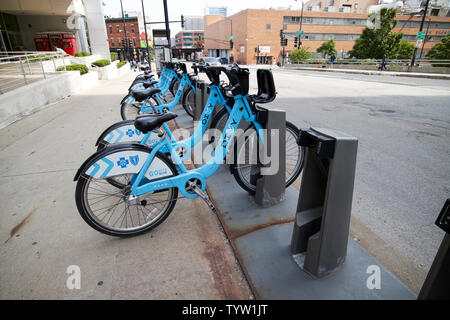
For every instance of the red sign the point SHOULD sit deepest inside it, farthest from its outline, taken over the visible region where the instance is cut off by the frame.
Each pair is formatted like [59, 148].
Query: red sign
[143, 36]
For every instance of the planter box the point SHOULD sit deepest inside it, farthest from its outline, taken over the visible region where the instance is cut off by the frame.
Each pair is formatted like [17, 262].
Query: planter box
[123, 69]
[85, 60]
[108, 72]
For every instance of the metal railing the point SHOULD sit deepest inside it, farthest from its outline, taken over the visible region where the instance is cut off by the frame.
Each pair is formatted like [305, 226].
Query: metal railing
[19, 68]
[376, 62]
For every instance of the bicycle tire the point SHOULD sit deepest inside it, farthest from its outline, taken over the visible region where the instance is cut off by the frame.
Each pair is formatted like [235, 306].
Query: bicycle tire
[85, 210]
[244, 181]
[128, 110]
[188, 107]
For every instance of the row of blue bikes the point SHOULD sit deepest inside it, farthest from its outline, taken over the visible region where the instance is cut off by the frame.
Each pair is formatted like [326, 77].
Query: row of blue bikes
[132, 182]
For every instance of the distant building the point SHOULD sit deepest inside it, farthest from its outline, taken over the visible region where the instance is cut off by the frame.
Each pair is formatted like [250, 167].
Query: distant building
[346, 6]
[193, 23]
[257, 32]
[187, 42]
[216, 11]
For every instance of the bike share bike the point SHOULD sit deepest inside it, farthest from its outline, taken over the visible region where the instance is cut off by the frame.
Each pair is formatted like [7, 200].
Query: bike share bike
[152, 176]
[144, 96]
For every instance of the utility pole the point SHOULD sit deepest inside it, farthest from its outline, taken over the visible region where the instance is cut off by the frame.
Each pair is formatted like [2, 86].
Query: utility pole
[125, 33]
[146, 35]
[232, 46]
[425, 40]
[421, 28]
[301, 20]
[166, 17]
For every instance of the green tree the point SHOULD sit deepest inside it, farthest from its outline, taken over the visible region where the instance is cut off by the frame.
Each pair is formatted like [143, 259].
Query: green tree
[375, 43]
[441, 50]
[300, 54]
[405, 50]
[327, 48]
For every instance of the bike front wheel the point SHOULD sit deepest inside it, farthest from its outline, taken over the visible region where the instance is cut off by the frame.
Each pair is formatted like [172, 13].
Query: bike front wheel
[131, 111]
[106, 209]
[188, 102]
[295, 155]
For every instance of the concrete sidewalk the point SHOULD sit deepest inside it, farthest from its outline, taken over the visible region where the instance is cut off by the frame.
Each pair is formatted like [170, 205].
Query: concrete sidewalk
[42, 234]
[374, 72]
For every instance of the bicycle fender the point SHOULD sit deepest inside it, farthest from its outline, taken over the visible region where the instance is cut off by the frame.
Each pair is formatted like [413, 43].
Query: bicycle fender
[125, 132]
[123, 159]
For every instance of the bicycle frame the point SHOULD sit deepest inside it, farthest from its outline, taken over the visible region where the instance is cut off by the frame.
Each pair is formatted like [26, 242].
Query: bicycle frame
[241, 110]
[167, 76]
[163, 107]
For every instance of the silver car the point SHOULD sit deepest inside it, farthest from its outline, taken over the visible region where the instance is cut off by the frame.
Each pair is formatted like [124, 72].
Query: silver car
[210, 61]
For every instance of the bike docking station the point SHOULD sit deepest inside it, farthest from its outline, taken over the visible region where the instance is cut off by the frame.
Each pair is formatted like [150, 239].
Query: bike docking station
[295, 244]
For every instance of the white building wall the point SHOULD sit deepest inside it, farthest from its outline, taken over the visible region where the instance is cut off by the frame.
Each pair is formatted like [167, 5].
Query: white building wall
[98, 37]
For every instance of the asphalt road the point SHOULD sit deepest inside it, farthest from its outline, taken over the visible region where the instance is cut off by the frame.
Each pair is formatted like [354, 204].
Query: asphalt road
[403, 163]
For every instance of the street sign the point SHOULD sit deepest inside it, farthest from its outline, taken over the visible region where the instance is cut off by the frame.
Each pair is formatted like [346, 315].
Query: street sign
[299, 32]
[232, 38]
[420, 35]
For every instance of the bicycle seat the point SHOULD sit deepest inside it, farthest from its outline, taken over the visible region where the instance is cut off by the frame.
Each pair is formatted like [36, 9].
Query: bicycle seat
[145, 123]
[149, 84]
[141, 95]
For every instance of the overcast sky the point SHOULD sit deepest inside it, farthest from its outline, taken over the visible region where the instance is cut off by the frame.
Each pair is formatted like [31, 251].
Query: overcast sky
[155, 8]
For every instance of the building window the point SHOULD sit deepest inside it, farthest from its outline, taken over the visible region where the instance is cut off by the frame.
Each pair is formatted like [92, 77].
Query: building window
[123, 43]
[132, 28]
[110, 29]
[268, 26]
[117, 29]
[134, 42]
[112, 42]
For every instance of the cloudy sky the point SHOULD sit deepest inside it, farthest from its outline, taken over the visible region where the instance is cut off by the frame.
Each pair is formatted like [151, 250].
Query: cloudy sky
[155, 9]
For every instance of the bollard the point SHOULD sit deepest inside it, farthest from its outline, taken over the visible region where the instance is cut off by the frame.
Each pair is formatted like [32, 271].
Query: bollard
[270, 189]
[320, 236]
[200, 98]
[437, 282]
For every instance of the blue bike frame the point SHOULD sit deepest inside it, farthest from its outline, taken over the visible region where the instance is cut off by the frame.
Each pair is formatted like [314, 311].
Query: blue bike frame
[163, 107]
[241, 110]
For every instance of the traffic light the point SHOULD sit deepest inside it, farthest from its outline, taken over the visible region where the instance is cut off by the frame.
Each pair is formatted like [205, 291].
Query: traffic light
[182, 21]
[129, 44]
[281, 33]
[231, 44]
[283, 42]
[295, 42]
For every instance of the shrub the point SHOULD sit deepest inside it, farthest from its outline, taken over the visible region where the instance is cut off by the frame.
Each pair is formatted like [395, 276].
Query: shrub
[75, 67]
[120, 64]
[114, 56]
[82, 54]
[101, 63]
[300, 55]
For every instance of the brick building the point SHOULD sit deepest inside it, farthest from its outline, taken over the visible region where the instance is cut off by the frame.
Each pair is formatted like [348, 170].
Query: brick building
[116, 34]
[257, 32]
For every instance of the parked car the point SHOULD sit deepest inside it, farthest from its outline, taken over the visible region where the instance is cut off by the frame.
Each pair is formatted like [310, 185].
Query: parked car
[210, 61]
[223, 60]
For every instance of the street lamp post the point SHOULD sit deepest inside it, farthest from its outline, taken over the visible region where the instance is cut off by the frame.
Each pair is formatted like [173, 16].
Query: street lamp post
[421, 28]
[146, 35]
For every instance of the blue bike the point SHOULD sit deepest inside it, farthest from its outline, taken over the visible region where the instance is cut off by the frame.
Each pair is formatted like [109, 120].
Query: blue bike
[151, 177]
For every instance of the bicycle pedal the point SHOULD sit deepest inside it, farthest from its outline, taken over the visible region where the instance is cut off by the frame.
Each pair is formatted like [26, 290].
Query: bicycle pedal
[204, 196]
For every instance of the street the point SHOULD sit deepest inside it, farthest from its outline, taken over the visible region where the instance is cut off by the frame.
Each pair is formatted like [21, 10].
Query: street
[402, 174]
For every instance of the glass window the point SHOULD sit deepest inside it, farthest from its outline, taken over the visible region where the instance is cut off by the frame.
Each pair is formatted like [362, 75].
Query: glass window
[268, 26]
[132, 28]
[117, 29]
[110, 29]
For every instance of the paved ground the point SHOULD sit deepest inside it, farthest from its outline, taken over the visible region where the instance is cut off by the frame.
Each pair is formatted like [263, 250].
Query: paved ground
[403, 176]
[41, 232]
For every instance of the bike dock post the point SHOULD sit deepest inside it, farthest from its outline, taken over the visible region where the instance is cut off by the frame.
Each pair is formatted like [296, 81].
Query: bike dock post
[321, 228]
[200, 98]
[437, 282]
[270, 176]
